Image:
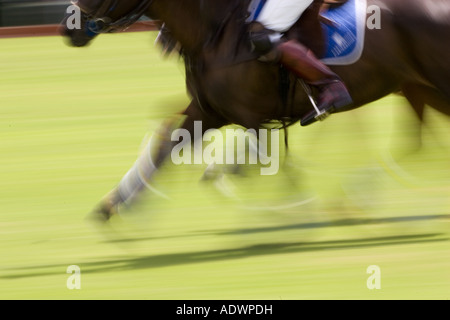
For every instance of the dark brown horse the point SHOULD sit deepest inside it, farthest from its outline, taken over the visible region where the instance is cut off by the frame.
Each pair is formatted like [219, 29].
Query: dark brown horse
[409, 54]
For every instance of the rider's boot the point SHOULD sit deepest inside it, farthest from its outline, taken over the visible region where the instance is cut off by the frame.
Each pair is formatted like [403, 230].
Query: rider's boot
[333, 94]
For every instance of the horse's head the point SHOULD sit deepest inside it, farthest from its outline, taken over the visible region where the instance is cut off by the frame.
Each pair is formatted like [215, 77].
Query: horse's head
[88, 18]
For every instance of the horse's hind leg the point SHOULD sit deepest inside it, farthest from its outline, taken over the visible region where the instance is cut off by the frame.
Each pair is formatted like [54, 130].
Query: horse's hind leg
[419, 96]
[426, 95]
[156, 152]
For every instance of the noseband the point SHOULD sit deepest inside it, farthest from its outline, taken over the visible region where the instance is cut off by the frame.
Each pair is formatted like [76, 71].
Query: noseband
[100, 22]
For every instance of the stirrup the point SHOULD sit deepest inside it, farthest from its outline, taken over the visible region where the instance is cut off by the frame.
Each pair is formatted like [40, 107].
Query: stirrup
[321, 115]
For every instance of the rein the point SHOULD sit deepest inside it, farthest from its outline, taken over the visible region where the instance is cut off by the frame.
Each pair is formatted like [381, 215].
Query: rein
[100, 22]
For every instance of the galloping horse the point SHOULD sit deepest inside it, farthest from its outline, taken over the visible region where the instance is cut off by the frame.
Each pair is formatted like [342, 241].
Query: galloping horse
[229, 85]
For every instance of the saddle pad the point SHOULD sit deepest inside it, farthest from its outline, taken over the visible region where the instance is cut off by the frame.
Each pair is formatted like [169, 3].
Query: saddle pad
[345, 38]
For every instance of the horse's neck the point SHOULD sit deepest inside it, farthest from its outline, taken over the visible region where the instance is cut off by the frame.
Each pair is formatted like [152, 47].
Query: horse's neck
[193, 22]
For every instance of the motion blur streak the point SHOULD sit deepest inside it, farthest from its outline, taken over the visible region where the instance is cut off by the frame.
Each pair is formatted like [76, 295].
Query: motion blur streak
[357, 191]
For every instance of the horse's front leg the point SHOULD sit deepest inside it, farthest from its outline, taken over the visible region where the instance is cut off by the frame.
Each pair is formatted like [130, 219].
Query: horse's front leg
[156, 152]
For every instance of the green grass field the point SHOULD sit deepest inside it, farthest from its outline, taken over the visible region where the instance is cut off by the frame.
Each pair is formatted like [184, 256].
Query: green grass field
[71, 124]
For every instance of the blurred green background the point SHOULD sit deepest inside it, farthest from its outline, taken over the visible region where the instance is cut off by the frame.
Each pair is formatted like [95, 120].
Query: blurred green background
[354, 192]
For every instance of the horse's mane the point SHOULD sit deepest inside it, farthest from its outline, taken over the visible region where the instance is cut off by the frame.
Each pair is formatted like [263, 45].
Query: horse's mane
[219, 14]
[217, 11]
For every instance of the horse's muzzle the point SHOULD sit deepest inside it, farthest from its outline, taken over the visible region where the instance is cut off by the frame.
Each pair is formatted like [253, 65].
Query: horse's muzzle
[77, 37]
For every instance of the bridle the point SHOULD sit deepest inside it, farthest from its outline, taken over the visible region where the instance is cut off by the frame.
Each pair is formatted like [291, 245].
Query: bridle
[100, 22]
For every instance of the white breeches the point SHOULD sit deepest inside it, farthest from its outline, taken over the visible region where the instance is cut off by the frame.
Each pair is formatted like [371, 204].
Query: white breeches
[280, 15]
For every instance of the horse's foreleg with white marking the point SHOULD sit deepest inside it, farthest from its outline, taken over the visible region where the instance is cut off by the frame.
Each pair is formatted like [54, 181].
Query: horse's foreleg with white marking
[156, 151]
[139, 177]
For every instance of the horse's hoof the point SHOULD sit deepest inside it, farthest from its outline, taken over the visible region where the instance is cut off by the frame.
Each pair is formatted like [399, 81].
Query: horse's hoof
[102, 214]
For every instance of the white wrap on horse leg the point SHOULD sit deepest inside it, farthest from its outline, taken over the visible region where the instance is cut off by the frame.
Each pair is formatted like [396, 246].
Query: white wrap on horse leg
[139, 175]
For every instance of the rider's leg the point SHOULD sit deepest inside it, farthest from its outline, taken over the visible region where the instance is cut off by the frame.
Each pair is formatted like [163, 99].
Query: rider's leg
[281, 15]
[277, 17]
[333, 94]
